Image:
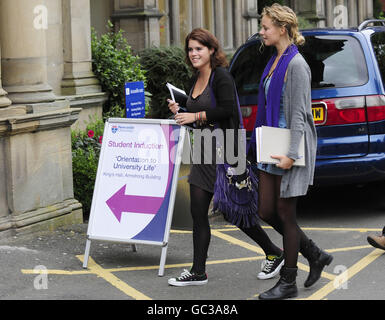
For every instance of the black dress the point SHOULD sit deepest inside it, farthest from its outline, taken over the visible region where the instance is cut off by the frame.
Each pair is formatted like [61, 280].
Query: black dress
[202, 175]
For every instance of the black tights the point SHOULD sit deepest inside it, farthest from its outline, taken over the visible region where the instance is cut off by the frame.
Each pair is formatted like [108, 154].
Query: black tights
[280, 213]
[200, 203]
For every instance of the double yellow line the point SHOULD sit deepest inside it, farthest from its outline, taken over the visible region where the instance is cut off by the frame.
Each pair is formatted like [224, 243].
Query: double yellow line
[336, 281]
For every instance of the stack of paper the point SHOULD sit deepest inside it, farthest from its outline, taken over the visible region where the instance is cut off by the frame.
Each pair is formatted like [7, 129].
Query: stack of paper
[275, 142]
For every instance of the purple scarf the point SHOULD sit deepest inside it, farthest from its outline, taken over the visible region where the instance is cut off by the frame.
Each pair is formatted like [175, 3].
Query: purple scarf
[268, 111]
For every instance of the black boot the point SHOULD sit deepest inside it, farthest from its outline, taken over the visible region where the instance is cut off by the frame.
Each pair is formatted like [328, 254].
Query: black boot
[285, 288]
[318, 259]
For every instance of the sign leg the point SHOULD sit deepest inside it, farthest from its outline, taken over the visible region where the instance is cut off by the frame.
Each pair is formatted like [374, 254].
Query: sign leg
[134, 248]
[163, 261]
[86, 253]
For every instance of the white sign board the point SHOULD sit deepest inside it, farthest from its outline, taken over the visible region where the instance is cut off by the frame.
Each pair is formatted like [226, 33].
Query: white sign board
[135, 187]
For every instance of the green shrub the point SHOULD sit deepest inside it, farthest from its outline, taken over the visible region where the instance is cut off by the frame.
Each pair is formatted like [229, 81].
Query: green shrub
[114, 64]
[377, 10]
[162, 65]
[303, 23]
[114, 112]
[86, 147]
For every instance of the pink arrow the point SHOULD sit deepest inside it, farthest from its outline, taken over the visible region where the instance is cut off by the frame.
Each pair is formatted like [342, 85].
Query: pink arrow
[120, 202]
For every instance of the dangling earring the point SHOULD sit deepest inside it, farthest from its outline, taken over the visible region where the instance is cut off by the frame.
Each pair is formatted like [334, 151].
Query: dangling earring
[262, 48]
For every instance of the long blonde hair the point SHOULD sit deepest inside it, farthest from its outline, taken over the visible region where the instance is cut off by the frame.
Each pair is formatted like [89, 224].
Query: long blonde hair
[283, 16]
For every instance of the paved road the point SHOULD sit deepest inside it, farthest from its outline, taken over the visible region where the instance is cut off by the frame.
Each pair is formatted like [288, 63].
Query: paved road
[337, 219]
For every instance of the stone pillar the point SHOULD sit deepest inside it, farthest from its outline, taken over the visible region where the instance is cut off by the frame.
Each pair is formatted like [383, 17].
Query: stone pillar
[251, 15]
[321, 14]
[36, 188]
[79, 84]
[140, 22]
[175, 28]
[361, 11]
[197, 14]
[353, 13]
[24, 59]
[4, 101]
[369, 9]
[78, 76]
[219, 23]
[245, 20]
[238, 30]
[329, 13]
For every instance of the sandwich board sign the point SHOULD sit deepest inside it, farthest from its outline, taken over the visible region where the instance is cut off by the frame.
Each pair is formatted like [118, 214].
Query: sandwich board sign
[136, 182]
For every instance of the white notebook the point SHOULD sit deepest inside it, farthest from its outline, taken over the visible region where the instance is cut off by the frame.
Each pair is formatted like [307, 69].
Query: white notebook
[178, 95]
[275, 142]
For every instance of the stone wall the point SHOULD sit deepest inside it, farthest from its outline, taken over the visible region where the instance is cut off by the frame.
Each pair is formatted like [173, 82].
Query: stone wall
[46, 88]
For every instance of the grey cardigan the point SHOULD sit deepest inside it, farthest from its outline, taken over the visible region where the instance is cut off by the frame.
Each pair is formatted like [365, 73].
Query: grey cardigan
[299, 119]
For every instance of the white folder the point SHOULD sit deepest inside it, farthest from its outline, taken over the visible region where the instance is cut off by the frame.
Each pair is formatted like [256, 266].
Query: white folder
[275, 142]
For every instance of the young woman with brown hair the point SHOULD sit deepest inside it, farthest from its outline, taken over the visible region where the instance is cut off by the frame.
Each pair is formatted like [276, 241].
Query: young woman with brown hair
[205, 57]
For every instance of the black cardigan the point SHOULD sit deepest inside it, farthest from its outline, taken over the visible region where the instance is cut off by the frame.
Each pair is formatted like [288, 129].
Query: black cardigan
[226, 111]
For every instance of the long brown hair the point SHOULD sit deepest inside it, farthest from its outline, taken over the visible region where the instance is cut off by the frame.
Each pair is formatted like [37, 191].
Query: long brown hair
[207, 39]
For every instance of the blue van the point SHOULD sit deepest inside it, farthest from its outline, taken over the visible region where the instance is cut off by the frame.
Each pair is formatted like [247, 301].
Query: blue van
[348, 98]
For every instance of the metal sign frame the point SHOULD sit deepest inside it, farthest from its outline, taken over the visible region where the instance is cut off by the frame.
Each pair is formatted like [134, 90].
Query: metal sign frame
[172, 187]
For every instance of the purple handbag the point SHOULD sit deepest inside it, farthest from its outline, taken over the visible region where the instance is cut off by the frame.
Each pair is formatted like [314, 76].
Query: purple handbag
[236, 196]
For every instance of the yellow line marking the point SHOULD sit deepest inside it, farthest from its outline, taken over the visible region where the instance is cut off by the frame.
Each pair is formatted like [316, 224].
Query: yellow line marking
[234, 260]
[59, 272]
[348, 249]
[254, 297]
[345, 276]
[260, 251]
[115, 281]
[183, 265]
[324, 274]
[237, 242]
[362, 230]
[107, 275]
[143, 268]
[181, 231]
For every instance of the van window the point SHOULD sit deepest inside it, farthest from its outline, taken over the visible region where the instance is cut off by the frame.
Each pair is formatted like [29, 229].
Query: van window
[335, 61]
[378, 42]
[247, 69]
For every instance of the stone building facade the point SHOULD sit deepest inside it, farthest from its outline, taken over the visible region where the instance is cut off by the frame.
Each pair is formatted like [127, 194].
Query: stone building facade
[167, 22]
[47, 86]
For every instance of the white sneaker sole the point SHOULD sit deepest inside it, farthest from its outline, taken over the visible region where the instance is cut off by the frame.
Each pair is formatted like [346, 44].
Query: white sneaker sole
[264, 276]
[175, 283]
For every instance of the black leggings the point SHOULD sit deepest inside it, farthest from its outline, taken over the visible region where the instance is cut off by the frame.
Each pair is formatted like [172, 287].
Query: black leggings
[281, 213]
[200, 203]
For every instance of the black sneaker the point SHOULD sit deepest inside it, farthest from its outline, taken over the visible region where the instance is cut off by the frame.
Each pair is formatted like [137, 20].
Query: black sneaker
[271, 267]
[188, 279]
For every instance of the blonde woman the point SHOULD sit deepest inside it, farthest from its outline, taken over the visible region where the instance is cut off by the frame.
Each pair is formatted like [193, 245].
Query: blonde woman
[285, 101]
